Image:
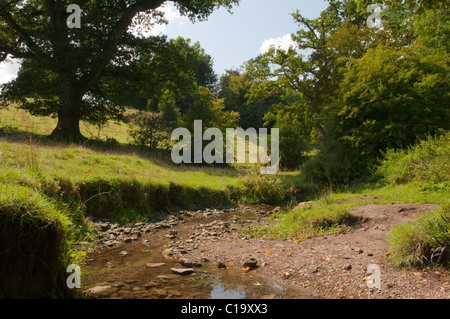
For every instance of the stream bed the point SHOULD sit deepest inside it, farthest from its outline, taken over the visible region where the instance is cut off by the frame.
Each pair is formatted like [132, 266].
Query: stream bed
[138, 262]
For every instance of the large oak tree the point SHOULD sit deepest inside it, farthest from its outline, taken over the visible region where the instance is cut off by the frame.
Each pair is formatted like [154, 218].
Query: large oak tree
[65, 66]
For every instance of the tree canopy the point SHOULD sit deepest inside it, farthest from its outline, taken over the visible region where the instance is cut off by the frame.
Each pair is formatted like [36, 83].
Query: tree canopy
[65, 65]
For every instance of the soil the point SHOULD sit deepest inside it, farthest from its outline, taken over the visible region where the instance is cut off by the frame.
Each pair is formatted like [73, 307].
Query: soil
[211, 245]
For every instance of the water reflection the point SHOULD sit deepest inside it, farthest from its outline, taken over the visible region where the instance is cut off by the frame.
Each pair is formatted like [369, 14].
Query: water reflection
[219, 291]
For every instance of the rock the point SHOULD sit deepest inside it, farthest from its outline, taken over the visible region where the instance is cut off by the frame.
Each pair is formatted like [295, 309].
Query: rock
[348, 267]
[159, 293]
[167, 252]
[174, 293]
[267, 297]
[150, 285]
[124, 253]
[221, 265]
[99, 290]
[250, 261]
[156, 265]
[190, 263]
[104, 226]
[182, 271]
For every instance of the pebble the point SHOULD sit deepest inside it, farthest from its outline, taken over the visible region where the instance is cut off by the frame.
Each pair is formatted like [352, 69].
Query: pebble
[348, 267]
[155, 265]
[182, 271]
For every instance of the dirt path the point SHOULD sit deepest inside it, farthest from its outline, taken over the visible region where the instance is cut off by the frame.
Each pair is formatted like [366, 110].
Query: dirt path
[328, 267]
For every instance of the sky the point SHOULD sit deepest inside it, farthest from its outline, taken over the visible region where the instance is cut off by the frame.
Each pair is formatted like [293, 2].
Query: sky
[230, 39]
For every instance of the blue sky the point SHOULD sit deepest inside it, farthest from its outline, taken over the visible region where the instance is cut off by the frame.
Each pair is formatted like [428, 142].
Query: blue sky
[231, 39]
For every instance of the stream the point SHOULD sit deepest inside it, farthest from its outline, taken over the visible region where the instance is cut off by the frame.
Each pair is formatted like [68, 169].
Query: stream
[138, 261]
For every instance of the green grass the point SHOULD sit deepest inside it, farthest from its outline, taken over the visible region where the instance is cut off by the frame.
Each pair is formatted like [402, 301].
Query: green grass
[423, 242]
[16, 120]
[120, 181]
[35, 240]
[330, 213]
[108, 182]
[427, 162]
[416, 175]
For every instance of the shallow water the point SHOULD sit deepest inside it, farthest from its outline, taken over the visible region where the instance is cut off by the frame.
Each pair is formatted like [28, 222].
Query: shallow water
[128, 275]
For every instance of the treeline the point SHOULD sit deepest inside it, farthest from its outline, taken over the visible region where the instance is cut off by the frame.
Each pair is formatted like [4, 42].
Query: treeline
[353, 91]
[346, 93]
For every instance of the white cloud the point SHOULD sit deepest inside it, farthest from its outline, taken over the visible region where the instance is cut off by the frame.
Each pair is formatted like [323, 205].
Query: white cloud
[8, 70]
[283, 42]
[172, 15]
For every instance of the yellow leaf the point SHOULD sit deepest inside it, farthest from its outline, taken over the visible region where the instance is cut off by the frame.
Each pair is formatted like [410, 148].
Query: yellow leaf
[229, 267]
[246, 269]
[367, 278]
[268, 252]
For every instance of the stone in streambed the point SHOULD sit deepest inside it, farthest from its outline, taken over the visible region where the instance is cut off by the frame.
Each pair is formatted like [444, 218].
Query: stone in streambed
[182, 271]
[250, 261]
[156, 265]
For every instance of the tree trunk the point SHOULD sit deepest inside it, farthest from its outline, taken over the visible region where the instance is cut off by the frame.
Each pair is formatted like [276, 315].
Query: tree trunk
[69, 115]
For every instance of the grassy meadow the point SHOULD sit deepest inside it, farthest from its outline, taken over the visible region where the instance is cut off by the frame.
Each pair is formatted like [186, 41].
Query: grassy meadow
[47, 190]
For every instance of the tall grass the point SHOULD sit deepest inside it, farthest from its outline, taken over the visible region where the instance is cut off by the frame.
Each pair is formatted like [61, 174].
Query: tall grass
[423, 242]
[35, 237]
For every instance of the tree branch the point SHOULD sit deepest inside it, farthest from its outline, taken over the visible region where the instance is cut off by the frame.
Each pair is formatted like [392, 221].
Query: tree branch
[111, 43]
[26, 37]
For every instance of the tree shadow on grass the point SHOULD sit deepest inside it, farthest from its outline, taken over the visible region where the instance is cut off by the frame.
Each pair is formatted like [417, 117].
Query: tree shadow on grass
[159, 157]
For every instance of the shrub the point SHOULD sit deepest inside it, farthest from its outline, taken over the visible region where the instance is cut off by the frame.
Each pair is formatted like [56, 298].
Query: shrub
[264, 189]
[336, 164]
[426, 162]
[149, 129]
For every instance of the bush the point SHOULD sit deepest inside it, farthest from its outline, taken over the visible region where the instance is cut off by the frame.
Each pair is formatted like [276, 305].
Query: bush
[292, 146]
[425, 241]
[149, 129]
[264, 189]
[335, 165]
[427, 162]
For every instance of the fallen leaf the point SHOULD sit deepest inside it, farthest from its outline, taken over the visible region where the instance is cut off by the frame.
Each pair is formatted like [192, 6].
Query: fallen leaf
[268, 252]
[246, 269]
[229, 267]
[367, 278]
